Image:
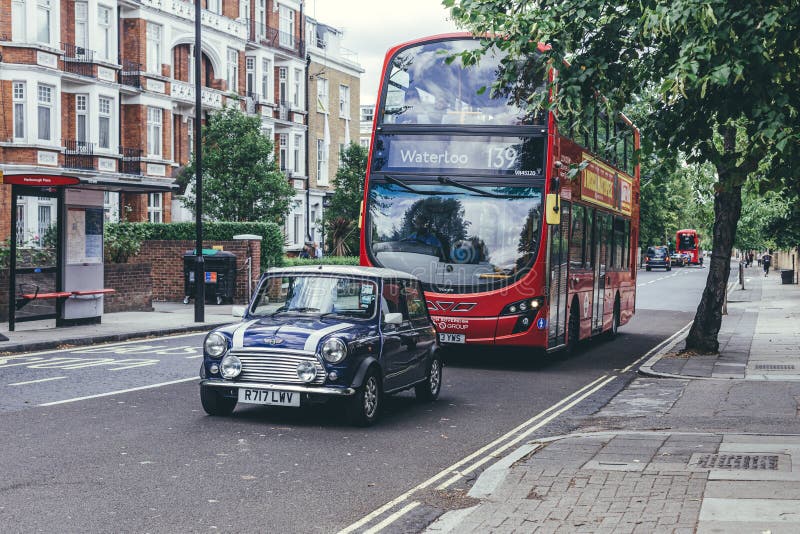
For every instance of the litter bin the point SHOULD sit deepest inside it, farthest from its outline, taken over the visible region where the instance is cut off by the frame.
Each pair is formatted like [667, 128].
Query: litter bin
[220, 267]
[787, 276]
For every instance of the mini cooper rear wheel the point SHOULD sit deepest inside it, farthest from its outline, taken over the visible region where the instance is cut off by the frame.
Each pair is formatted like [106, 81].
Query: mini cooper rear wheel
[428, 390]
[365, 406]
[214, 403]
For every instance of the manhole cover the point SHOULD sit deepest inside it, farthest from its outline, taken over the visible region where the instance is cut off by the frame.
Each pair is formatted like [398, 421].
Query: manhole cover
[774, 367]
[738, 461]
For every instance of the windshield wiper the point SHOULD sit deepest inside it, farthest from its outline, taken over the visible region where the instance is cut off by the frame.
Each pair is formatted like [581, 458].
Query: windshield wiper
[450, 181]
[302, 310]
[395, 181]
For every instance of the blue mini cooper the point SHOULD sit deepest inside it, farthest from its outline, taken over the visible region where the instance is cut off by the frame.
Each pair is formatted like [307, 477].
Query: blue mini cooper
[321, 332]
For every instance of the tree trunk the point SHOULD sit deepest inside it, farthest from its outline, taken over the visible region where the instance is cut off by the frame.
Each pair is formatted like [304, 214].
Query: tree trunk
[708, 319]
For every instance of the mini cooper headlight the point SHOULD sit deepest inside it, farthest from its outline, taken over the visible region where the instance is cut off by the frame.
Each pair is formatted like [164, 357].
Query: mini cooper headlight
[230, 367]
[215, 345]
[306, 371]
[334, 350]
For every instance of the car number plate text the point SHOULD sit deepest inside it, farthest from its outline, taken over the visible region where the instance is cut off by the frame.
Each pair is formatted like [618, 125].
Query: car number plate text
[452, 338]
[271, 397]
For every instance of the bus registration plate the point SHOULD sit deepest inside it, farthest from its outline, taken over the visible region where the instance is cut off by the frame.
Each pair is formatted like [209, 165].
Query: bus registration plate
[452, 338]
[273, 398]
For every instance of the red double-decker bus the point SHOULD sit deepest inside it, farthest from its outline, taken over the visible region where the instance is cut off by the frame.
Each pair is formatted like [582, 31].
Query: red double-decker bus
[688, 242]
[471, 193]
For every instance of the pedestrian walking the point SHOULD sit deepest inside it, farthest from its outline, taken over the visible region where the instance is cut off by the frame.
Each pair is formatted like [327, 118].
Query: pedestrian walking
[317, 251]
[766, 261]
[305, 253]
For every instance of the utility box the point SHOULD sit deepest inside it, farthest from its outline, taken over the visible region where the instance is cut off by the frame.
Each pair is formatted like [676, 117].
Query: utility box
[220, 268]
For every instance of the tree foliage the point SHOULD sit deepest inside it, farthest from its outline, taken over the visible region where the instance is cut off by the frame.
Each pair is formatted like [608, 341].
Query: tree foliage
[341, 216]
[720, 77]
[241, 179]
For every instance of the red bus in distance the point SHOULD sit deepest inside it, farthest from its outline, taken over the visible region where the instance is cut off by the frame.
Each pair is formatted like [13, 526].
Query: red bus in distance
[458, 183]
[688, 242]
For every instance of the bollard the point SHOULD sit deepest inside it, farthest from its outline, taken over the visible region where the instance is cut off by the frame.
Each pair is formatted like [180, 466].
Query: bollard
[741, 275]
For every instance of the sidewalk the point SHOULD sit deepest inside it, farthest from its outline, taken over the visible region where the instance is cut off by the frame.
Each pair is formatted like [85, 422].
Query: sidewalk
[705, 444]
[167, 318]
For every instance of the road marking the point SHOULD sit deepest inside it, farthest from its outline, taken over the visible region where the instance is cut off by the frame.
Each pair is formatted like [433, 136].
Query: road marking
[392, 518]
[119, 392]
[448, 470]
[119, 344]
[37, 381]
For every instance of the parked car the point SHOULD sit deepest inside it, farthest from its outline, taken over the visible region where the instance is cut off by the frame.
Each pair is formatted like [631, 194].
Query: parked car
[679, 259]
[314, 334]
[657, 257]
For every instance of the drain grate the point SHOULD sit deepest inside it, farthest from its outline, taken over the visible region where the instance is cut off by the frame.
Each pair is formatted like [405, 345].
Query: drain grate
[738, 461]
[774, 367]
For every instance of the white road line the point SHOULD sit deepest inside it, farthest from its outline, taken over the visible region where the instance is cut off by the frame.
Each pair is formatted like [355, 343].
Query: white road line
[37, 381]
[392, 518]
[119, 392]
[657, 347]
[194, 357]
[111, 345]
[391, 504]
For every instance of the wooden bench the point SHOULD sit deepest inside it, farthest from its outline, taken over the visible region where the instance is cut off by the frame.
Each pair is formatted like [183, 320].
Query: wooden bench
[25, 298]
[93, 292]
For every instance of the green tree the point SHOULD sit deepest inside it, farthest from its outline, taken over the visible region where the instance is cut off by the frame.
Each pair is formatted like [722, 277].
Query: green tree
[341, 216]
[724, 76]
[241, 179]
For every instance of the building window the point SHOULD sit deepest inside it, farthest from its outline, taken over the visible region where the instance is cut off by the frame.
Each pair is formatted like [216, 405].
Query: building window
[266, 79]
[282, 73]
[367, 113]
[286, 28]
[81, 28]
[215, 6]
[344, 101]
[233, 70]
[297, 229]
[19, 110]
[298, 75]
[322, 162]
[45, 111]
[153, 48]
[283, 141]
[250, 77]
[298, 154]
[154, 209]
[261, 18]
[44, 223]
[105, 35]
[104, 122]
[44, 16]
[81, 118]
[154, 140]
[110, 206]
[18, 21]
[322, 95]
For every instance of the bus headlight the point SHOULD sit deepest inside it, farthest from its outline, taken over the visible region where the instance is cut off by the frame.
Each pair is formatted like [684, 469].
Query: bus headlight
[529, 305]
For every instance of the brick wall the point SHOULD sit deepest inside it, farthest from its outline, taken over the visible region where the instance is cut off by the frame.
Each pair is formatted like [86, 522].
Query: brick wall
[5, 17]
[68, 122]
[68, 21]
[133, 34]
[133, 283]
[6, 110]
[5, 210]
[19, 55]
[166, 258]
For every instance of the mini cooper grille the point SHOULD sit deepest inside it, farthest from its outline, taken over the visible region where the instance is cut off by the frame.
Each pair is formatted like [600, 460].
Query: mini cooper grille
[276, 368]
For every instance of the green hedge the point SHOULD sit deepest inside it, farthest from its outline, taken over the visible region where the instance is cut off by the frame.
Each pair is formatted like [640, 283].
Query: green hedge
[271, 235]
[327, 260]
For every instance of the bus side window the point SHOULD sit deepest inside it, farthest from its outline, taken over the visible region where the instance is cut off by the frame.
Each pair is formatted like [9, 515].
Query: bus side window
[589, 239]
[619, 242]
[626, 256]
[577, 250]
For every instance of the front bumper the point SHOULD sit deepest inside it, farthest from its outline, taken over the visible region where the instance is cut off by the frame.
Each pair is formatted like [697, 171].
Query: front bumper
[311, 390]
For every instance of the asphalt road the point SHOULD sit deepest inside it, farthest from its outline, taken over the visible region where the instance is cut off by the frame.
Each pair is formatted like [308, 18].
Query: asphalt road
[150, 460]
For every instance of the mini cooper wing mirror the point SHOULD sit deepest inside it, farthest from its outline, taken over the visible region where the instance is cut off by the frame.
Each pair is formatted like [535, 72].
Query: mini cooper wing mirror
[393, 318]
[237, 311]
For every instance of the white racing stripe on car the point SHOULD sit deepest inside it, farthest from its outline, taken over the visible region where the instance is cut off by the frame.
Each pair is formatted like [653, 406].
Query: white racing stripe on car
[313, 339]
[238, 334]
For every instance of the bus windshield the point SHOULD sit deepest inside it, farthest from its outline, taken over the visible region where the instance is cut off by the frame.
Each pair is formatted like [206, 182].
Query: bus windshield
[455, 237]
[687, 242]
[422, 88]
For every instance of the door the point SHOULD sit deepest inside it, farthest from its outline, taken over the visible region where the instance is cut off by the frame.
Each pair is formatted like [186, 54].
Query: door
[422, 337]
[602, 232]
[393, 352]
[557, 281]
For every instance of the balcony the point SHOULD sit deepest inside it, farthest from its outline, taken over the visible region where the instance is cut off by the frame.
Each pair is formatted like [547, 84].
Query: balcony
[78, 60]
[78, 155]
[267, 36]
[210, 98]
[185, 10]
[283, 110]
[131, 160]
[131, 74]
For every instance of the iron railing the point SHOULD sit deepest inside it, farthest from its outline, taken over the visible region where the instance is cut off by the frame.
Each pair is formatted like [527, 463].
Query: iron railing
[131, 160]
[283, 110]
[131, 74]
[258, 32]
[78, 60]
[78, 154]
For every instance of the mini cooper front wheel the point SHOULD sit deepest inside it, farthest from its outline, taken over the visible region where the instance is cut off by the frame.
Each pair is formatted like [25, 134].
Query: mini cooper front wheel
[214, 403]
[428, 390]
[364, 407]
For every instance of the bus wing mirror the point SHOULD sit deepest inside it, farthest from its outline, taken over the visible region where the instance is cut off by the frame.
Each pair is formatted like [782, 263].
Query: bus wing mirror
[553, 208]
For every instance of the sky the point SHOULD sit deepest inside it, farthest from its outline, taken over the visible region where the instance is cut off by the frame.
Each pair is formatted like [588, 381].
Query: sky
[371, 27]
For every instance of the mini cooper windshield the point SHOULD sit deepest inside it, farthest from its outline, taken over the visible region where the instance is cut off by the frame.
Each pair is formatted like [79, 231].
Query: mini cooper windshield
[315, 295]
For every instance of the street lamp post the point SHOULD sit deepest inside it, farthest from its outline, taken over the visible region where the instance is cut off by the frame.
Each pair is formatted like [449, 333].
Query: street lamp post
[199, 270]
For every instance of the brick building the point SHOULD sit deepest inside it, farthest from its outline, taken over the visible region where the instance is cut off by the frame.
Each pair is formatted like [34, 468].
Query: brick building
[103, 90]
